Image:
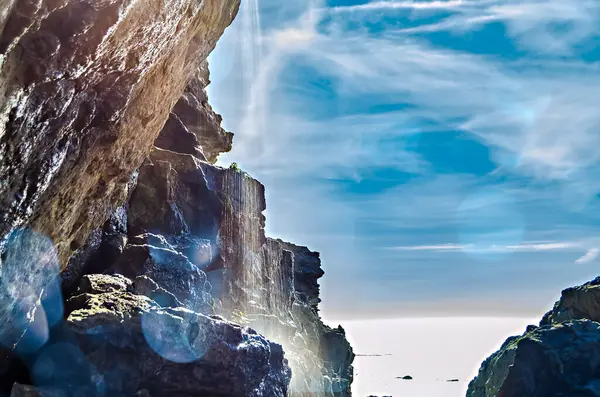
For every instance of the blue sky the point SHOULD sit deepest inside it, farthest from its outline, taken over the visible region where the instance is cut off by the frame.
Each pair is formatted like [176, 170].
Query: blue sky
[441, 155]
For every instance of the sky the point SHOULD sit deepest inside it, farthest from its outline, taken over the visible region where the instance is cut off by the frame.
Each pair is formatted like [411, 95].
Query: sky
[441, 155]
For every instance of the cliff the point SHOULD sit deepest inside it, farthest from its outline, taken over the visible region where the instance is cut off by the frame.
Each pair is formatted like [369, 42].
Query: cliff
[558, 358]
[131, 263]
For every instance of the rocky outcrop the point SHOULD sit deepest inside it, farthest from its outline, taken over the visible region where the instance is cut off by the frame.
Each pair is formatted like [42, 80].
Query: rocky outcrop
[127, 343]
[548, 361]
[558, 358]
[197, 230]
[322, 343]
[581, 302]
[85, 88]
[193, 127]
[130, 263]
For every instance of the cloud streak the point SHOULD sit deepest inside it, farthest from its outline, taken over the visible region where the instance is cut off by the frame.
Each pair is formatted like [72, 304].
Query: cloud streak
[524, 247]
[410, 5]
[589, 256]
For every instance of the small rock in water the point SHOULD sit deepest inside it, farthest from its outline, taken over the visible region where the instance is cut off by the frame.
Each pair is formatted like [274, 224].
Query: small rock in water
[407, 377]
[452, 380]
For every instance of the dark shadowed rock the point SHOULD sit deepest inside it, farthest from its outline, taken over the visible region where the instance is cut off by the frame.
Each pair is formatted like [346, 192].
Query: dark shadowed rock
[150, 255]
[19, 390]
[576, 303]
[551, 361]
[307, 272]
[144, 285]
[558, 358]
[134, 344]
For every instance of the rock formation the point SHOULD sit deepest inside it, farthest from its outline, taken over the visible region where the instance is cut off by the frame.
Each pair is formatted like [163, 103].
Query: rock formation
[130, 263]
[558, 358]
[85, 88]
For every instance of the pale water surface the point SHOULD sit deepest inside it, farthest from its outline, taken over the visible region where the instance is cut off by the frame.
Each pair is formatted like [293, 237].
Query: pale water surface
[431, 350]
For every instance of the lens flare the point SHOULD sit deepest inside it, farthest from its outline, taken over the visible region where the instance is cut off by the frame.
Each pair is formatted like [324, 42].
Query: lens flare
[63, 366]
[175, 335]
[31, 301]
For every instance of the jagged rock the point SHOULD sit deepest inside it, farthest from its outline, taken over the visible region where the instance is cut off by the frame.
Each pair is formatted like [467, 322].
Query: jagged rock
[307, 272]
[338, 355]
[279, 273]
[324, 348]
[555, 359]
[151, 255]
[173, 198]
[117, 343]
[558, 360]
[135, 344]
[210, 218]
[85, 88]
[144, 285]
[576, 303]
[102, 249]
[100, 283]
[193, 127]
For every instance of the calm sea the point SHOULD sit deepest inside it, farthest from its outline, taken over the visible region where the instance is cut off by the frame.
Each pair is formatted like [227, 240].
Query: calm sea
[433, 351]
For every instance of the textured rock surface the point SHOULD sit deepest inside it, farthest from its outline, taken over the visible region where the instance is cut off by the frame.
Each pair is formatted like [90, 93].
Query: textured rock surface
[576, 303]
[550, 361]
[198, 231]
[307, 272]
[156, 247]
[193, 127]
[557, 359]
[131, 343]
[85, 88]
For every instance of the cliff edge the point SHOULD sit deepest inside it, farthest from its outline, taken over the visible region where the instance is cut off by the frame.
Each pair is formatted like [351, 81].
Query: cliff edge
[130, 263]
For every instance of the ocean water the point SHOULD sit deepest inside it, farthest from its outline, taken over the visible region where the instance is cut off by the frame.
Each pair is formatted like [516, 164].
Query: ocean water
[431, 350]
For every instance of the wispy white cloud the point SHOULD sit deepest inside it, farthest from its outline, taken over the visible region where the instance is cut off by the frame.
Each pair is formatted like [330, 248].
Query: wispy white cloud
[550, 27]
[524, 247]
[440, 247]
[589, 256]
[411, 5]
[544, 246]
[521, 108]
[537, 115]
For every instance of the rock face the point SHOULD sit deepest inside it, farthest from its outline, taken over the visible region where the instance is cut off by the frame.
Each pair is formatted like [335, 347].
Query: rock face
[126, 342]
[130, 264]
[193, 127]
[581, 302]
[557, 359]
[85, 88]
